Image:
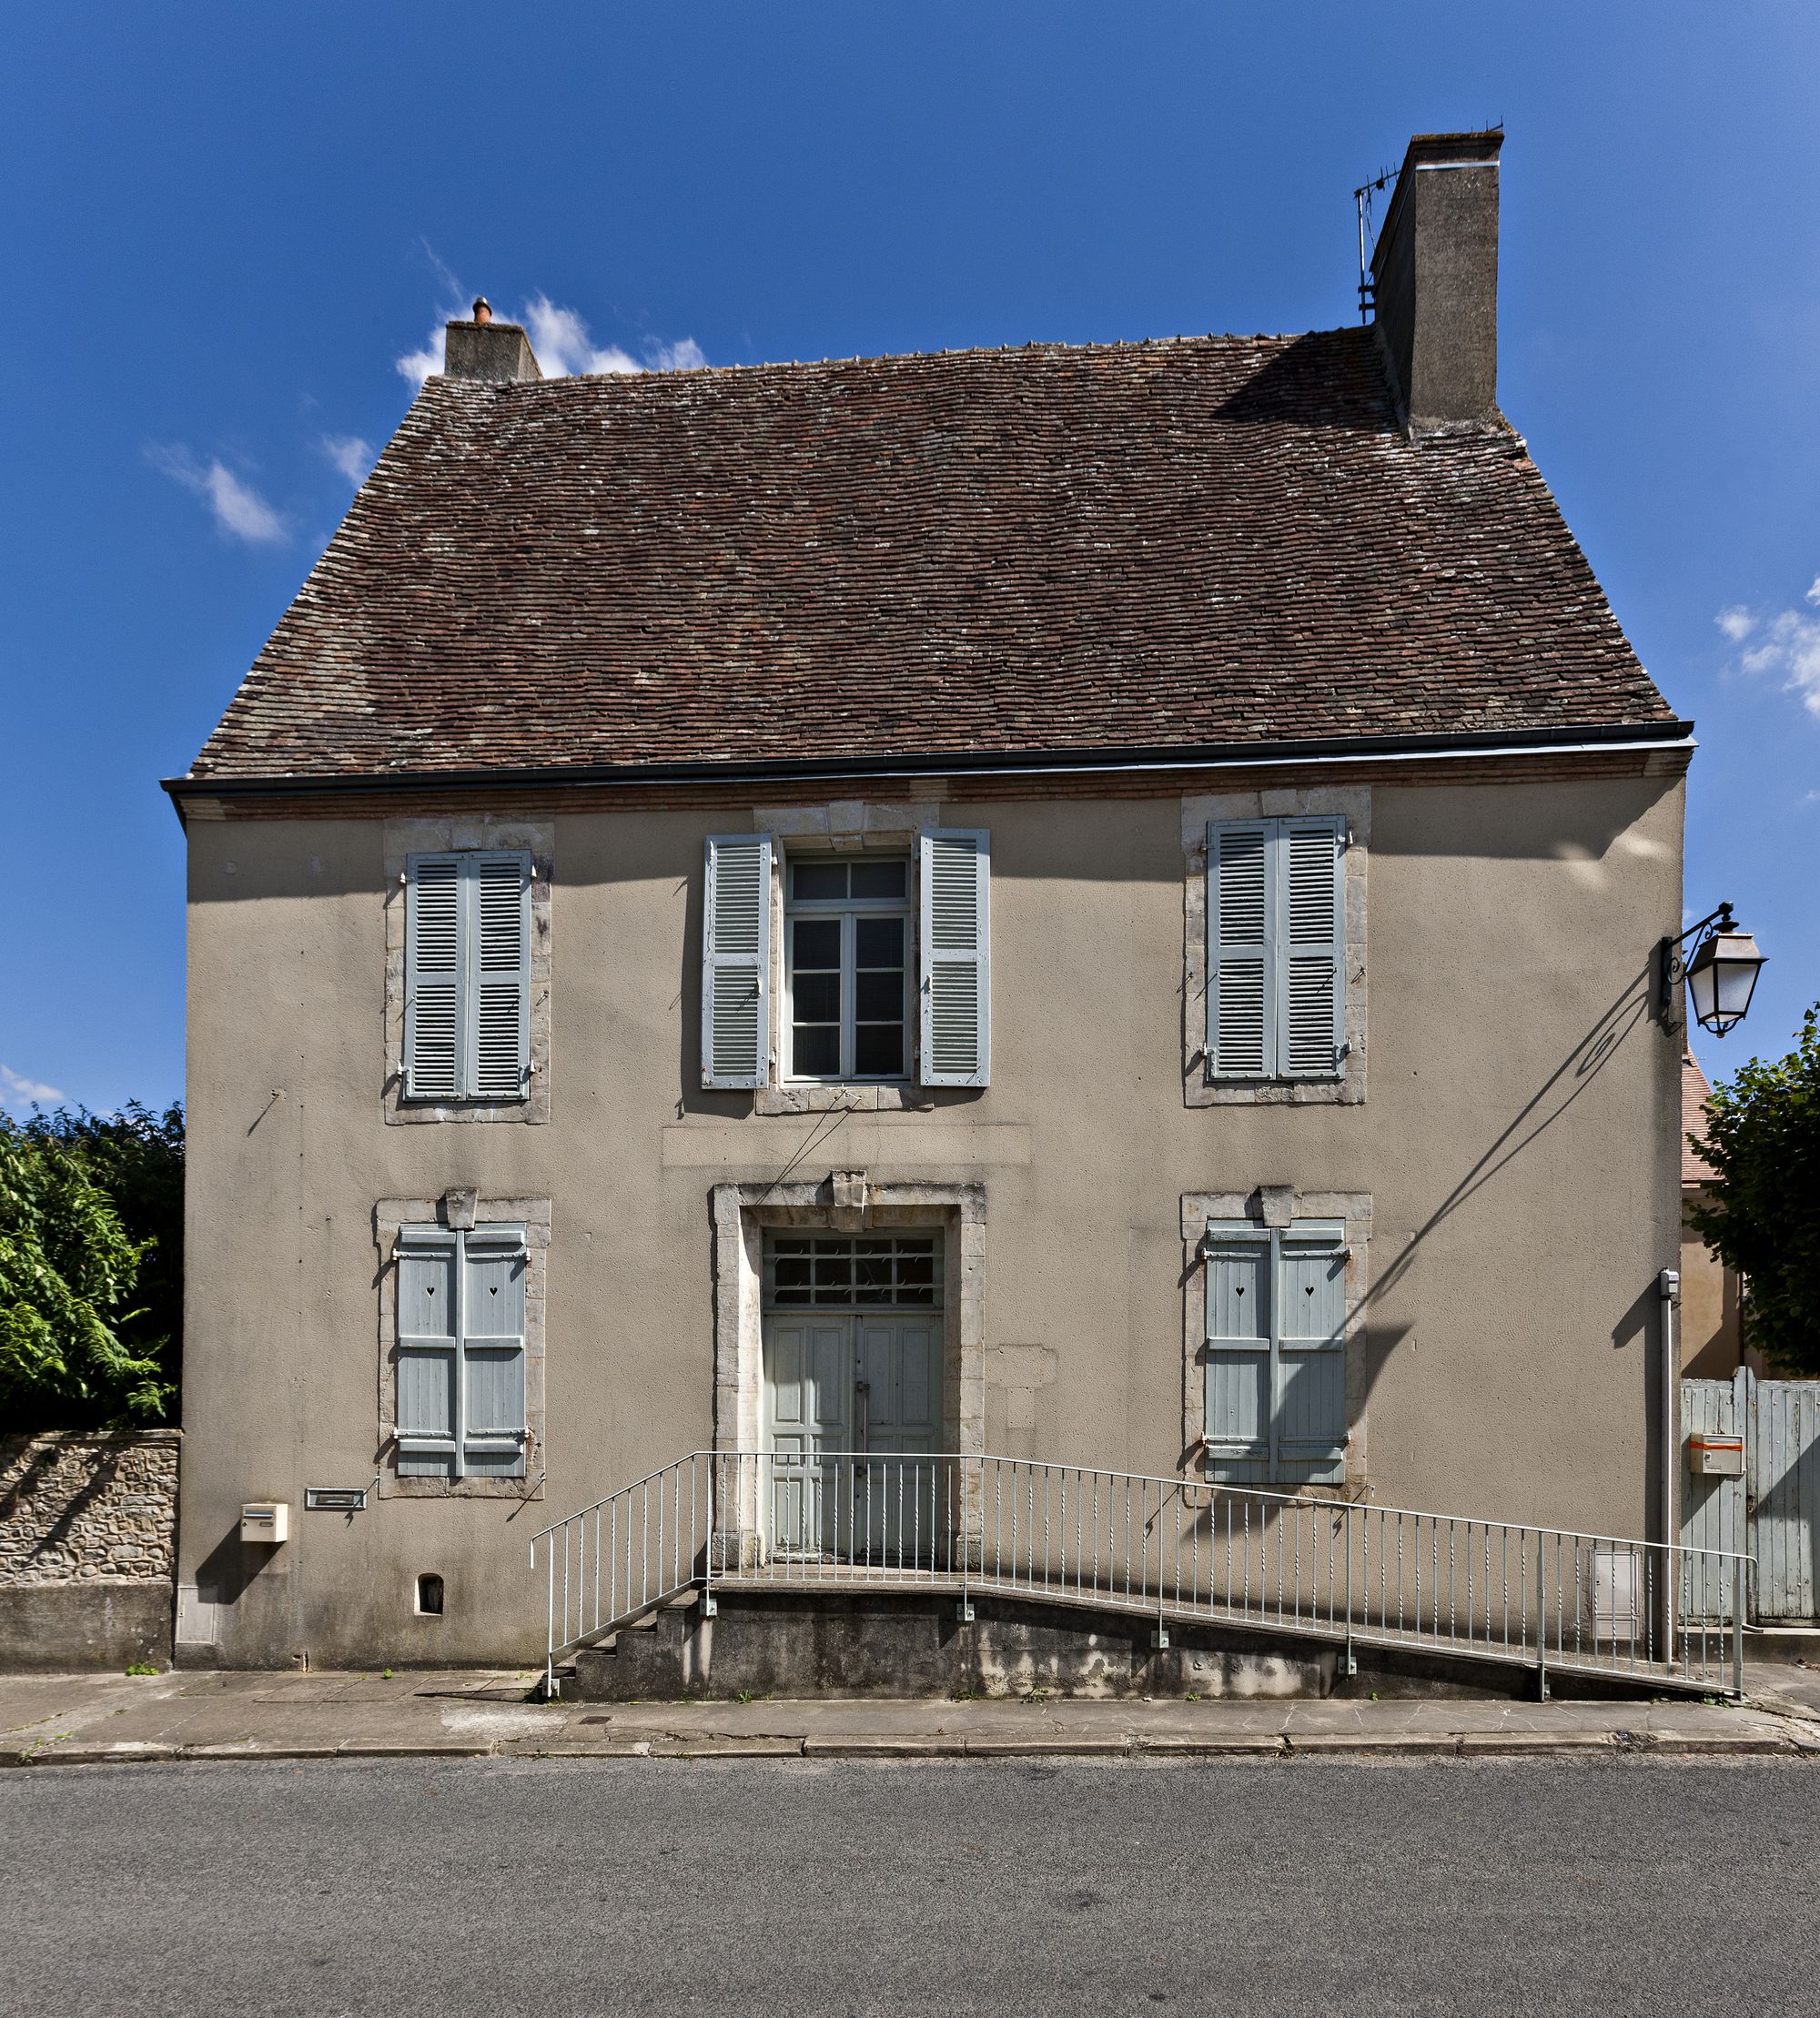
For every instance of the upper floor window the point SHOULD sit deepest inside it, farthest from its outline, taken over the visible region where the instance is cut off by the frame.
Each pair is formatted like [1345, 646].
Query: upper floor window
[467, 1016]
[884, 973]
[1276, 930]
[846, 969]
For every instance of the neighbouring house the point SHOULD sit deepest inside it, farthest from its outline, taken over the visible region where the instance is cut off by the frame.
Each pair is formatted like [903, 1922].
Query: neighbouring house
[1080, 902]
[1712, 1344]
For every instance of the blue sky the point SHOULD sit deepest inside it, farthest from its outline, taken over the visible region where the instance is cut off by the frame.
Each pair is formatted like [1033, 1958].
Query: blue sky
[226, 226]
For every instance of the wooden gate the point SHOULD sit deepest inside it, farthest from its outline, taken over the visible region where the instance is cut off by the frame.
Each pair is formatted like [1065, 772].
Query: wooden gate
[1770, 1512]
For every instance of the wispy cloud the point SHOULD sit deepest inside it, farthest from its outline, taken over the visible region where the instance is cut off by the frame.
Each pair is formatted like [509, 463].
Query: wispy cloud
[21, 1092]
[562, 339]
[1788, 643]
[352, 454]
[238, 510]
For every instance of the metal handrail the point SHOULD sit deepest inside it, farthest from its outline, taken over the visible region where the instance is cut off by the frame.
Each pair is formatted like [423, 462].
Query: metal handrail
[1347, 1571]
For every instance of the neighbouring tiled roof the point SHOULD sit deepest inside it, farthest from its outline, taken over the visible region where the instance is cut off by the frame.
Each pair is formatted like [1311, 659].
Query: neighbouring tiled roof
[1695, 1093]
[1059, 548]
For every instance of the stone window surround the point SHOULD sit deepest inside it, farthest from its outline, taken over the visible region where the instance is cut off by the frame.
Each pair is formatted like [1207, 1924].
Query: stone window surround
[845, 1201]
[1276, 1206]
[465, 1209]
[846, 826]
[1352, 803]
[405, 838]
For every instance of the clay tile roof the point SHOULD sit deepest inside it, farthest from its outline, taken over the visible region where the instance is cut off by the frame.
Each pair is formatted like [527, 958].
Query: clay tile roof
[1103, 548]
[1695, 1093]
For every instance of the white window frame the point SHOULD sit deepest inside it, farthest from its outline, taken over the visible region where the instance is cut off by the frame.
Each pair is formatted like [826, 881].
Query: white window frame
[848, 910]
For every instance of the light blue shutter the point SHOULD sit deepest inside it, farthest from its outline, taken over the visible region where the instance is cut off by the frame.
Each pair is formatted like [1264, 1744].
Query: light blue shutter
[429, 1352]
[1241, 1023]
[434, 963]
[1311, 947]
[492, 1353]
[736, 961]
[1238, 1356]
[1310, 1375]
[499, 906]
[955, 943]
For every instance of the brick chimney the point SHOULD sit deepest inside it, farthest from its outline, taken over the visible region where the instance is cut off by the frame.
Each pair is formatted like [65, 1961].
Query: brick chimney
[1434, 276]
[498, 352]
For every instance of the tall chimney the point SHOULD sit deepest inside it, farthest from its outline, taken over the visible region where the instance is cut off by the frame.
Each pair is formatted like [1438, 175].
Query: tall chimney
[500, 353]
[1434, 278]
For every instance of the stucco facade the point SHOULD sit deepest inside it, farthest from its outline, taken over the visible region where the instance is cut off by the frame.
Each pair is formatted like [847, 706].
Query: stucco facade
[1513, 1154]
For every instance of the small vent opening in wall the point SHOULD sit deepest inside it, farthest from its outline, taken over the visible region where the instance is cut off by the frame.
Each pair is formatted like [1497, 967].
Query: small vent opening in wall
[430, 1595]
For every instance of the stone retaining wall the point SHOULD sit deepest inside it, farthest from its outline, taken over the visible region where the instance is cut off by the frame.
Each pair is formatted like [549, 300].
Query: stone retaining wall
[87, 1538]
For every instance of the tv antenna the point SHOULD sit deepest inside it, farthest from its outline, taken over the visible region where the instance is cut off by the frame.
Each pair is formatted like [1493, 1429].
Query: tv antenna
[1361, 202]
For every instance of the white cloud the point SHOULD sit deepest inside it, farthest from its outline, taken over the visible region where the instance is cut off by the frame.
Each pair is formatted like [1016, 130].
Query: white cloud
[1790, 646]
[419, 364]
[21, 1091]
[1813, 590]
[563, 343]
[350, 454]
[1736, 622]
[240, 511]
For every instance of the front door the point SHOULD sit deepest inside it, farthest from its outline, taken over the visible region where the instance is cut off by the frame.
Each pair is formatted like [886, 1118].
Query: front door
[852, 1394]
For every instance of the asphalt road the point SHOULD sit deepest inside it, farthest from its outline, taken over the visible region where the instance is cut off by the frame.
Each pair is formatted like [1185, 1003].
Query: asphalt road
[524, 1886]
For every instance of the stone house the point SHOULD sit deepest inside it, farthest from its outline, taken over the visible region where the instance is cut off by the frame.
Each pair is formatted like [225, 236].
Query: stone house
[1081, 901]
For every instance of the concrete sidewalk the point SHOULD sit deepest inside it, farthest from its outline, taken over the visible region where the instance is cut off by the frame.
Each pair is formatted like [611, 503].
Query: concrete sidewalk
[50, 1720]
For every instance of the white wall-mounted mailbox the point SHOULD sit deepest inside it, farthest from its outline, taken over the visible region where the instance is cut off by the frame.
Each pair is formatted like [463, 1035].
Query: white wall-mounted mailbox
[1715, 1456]
[267, 1521]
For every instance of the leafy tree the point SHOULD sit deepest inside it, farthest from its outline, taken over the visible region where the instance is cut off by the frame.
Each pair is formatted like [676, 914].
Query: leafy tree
[91, 1268]
[1762, 1215]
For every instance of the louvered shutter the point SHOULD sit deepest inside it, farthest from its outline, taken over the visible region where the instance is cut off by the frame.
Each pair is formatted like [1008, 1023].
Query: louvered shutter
[954, 939]
[1240, 970]
[1310, 948]
[1238, 1358]
[433, 1002]
[736, 961]
[1309, 1401]
[492, 1353]
[499, 908]
[428, 1353]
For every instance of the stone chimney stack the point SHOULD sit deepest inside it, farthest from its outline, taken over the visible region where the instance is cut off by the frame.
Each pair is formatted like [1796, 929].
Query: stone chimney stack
[498, 352]
[1434, 277]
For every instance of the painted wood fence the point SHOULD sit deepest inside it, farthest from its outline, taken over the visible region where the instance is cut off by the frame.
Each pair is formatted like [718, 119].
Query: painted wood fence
[1772, 1511]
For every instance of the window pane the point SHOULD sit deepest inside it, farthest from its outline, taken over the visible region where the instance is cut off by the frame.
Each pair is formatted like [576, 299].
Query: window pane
[879, 879]
[819, 879]
[833, 1276]
[878, 1050]
[816, 1053]
[818, 997]
[878, 997]
[817, 942]
[878, 941]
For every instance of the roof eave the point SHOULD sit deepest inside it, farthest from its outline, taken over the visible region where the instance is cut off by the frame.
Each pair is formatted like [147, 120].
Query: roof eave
[1567, 738]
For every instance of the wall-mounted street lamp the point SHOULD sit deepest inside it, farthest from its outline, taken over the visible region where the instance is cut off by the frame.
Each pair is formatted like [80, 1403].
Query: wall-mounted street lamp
[1719, 974]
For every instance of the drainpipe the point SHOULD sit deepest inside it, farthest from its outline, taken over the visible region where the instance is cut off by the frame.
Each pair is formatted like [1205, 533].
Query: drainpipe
[1668, 1288]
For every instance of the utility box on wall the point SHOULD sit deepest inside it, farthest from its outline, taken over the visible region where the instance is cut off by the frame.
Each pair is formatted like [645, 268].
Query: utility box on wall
[267, 1521]
[1715, 1455]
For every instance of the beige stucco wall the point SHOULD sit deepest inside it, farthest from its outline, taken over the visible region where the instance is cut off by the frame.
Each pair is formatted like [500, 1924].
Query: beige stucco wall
[1518, 1144]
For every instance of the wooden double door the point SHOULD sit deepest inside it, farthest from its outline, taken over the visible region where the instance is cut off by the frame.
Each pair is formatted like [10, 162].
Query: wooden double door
[853, 1421]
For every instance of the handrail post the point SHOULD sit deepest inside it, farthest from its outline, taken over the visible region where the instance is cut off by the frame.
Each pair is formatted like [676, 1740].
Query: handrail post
[1351, 1658]
[1740, 1588]
[1542, 1619]
[549, 1626]
[708, 1570]
[965, 1608]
